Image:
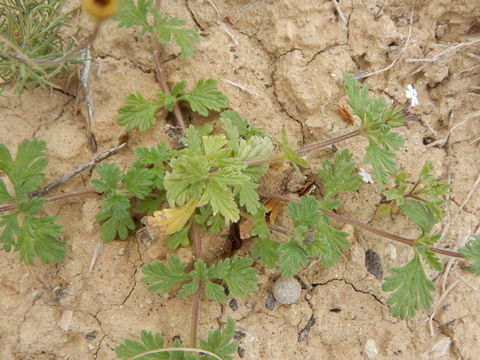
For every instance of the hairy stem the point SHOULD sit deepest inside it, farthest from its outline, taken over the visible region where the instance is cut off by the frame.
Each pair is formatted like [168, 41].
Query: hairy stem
[171, 349]
[162, 77]
[197, 298]
[309, 148]
[74, 193]
[359, 224]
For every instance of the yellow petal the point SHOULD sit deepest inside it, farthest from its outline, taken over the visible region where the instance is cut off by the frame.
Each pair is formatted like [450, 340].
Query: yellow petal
[101, 9]
[172, 220]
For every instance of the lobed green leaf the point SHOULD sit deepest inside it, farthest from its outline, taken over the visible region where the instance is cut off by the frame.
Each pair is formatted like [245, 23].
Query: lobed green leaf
[138, 112]
[204, 97]
[411, 288]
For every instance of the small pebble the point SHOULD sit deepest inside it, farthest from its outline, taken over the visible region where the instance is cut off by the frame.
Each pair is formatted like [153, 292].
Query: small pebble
[241, 352]
[91, 335]
[270, 302]
[121, 251]
[65, 320]
[374, 263]
[371, 349]
[148, 301]
[287, 290]
[233, 304]
[391, 251]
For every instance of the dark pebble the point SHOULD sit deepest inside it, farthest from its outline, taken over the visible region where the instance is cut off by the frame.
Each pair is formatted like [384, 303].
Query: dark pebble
[427, 140]
[233, 304]
[270, 302]
[241, 352]
[373, 263]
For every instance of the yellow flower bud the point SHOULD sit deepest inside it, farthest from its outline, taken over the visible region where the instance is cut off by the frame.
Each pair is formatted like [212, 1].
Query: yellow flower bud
[101, 9]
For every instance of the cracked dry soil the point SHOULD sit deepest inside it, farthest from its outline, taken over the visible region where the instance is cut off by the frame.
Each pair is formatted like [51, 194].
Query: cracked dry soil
[289, 54]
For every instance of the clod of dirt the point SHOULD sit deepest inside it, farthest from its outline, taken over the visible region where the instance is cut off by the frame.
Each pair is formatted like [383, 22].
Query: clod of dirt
[287, 290]
[373, 263]
[371, 349]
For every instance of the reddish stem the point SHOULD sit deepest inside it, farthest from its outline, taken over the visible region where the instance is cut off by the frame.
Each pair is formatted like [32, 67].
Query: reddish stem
[197, 298]
[359, 224]
[161, 75]
[309, 148]
[90, 190]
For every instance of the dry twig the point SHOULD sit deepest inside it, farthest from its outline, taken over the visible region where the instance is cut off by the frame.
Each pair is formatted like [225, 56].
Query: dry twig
[439, 55]
[339, 10]
[251, 92]
[64, 178]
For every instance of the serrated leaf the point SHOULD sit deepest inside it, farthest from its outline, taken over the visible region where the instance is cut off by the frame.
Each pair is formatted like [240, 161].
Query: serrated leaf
[172, 220]
[116, 205]
[242, 277]
[267, 251]
[188, 288]
[164, 276]
[138, 112]
[232, 120]
[292, 258]
[152, 155]
[220, 342]
[25, 171]
[204, 97]
[420, 214]
[357, 95]
[430, 258]
[114, 226]
[187, 180]
[168, 28]
[411, 288]
[382, 161]
[150, 341]
[10, 226]
[213, 143]
[328, 244]
[471, 251]
[290, 154]
[166, 100]
[180, 238]
[131, 13]
[4, 194]
[305, 212]
[138, 181]
[338, 176]
[148, 205]
[221, 199]
[214, 292]
[248, 197]
[110, 175]
[40, 236]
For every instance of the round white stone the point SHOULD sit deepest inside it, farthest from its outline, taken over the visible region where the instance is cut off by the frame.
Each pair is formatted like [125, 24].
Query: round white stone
[287, 290]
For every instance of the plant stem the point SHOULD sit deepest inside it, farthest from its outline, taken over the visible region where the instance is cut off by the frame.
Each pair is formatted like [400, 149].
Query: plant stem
[359, 224]
[197, 298]
[309, 148]
[171, 349]
[89, 190]
[161, 75]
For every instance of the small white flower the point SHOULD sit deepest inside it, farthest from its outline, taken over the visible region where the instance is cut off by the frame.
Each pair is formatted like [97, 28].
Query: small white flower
[411, 94]
[366, 177]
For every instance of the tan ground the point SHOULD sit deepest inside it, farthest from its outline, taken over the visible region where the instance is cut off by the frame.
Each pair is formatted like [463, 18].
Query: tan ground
[290, 54]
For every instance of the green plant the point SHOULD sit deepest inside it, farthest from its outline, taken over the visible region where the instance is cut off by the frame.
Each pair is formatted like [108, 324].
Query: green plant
[212, 181]
[31, 38]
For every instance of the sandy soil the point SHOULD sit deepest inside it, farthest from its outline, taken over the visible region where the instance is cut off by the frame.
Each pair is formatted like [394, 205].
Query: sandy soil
[290, 54]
